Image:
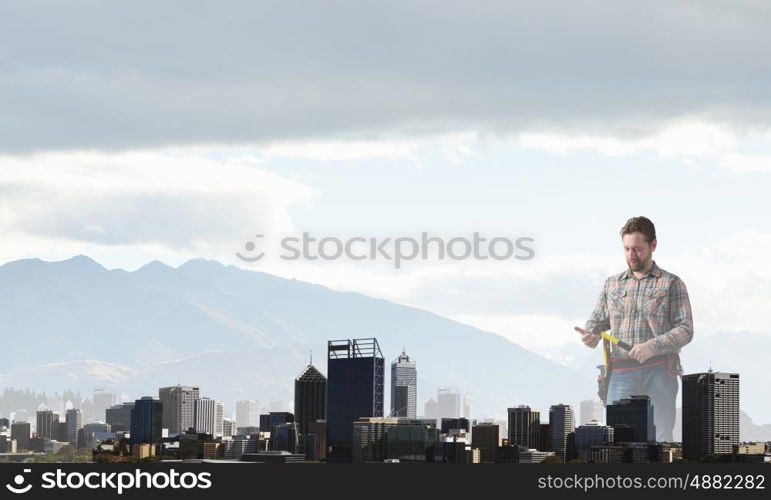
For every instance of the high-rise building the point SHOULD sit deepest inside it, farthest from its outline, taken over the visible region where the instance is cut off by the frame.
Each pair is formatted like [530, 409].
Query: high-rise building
[228, 427]
[87, 410]
[561, 423]
[47, 425]
[209, 415]
[247, 413]
[591, 434]
[74, 420]
[369, 438]
[103, 398]
[635, 412]
[21, 432]
[592, 411]
[404, 387]
[467, 406]
[119, 417]
[354, 390]
[524, 427]
[147, 420]
[270, 421]
[448, 402]
[485, 436]
[94, 430]
[178, 407]
[310, 398]
[430, 409]
[710, 414]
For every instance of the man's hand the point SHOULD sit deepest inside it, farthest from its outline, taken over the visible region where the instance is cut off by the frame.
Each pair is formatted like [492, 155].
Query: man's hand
[587, 337]
[642, 352]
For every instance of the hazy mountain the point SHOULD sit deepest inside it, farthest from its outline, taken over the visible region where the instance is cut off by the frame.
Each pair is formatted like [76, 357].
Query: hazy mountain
[240, 334]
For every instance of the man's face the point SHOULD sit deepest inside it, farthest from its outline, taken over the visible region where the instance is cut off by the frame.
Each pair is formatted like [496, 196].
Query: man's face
[637, 251]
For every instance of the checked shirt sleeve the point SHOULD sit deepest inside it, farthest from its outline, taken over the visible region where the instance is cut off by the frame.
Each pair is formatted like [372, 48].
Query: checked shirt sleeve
[600, 319]
[680, 320]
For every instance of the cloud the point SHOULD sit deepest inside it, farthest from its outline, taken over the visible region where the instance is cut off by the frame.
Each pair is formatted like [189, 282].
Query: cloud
[138, 75]
[683, 140]
[181, 202]
[741, 163]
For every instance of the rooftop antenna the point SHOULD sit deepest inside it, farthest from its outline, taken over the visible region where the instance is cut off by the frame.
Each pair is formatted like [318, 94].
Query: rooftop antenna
[311, 356]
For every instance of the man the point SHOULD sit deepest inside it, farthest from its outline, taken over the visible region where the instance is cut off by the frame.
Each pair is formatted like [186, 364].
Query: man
[648, 308]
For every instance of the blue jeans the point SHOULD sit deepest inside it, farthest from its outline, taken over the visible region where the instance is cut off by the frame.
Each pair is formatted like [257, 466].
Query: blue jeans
[658, 385]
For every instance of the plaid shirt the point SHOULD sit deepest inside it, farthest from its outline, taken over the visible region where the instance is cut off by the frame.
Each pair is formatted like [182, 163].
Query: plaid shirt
[655, 306]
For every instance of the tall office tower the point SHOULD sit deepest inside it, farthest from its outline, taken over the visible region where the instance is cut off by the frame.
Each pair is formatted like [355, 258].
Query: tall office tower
[47, 424]
[92, 431]
[561, 423]
[635, 412]
[404, 387]
[103, 398]
[467, 406]
[369, 438]
[178, 407]
[87, 410]
[430, 409]
[710, 414]
[74, 420]
[486, 437]
[228, 427]
[448, 401]
[209, 415]
[524, 427]
[354, 390]
[247, 413]
[21, 432]
[147, 420]
[592, 410]
[591, 434]
[119, 417]
[310, 398]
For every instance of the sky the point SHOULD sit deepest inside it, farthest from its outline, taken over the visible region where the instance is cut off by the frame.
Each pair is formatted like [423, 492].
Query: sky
[131, 137]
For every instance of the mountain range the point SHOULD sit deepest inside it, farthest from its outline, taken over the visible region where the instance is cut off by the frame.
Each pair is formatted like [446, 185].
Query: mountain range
[241, 334]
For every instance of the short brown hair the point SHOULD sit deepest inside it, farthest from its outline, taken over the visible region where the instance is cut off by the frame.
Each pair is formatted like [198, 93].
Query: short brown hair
[640, 225]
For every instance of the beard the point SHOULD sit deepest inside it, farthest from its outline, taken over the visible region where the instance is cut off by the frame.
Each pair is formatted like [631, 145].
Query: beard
[638, 266]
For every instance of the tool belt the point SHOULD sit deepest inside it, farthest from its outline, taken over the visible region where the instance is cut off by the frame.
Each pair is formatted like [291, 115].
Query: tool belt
[624, 364]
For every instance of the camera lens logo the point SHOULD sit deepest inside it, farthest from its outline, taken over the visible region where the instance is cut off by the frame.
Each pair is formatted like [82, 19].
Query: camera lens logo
[18, 480]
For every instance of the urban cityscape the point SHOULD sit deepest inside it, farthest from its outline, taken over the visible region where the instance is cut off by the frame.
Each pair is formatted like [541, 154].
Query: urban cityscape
[341, 417]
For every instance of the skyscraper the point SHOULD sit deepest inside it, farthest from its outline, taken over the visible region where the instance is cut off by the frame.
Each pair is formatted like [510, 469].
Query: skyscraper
[247, 413]
[119, 417]
[485, 436]
[524, 427]
[147, 420]
[47, 424]
[355, 389]
[591, 434]
[561, 423]
[310, 398]
[710, 414]
[178, 407]
[209, 416]
[592, 410]
[467, 406]
[74, 420]
[21, 432]
[635, 412]
[103, 398]
[448, 401]
[404, 387]
[430, 409]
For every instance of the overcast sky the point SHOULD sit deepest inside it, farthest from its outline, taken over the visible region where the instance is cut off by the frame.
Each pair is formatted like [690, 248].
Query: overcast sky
[145, 130]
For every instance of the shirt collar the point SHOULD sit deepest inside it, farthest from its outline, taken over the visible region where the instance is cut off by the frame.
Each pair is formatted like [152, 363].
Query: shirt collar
[655, 271]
